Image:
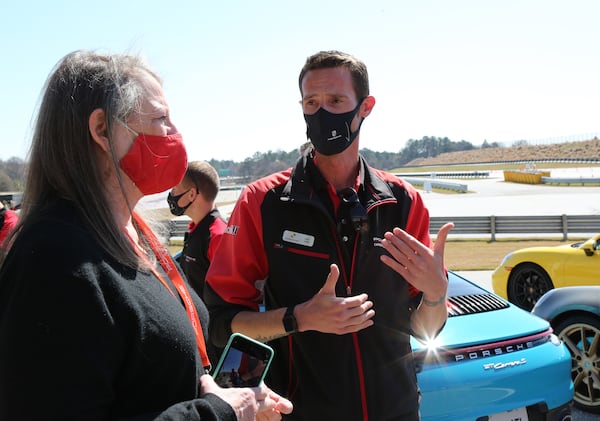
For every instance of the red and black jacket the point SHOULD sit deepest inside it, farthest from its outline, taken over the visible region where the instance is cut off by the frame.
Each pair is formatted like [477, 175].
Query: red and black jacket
[199, 246]
[281, 238]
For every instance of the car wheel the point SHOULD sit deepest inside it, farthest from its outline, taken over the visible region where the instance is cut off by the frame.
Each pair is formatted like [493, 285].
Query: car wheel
[581, 334]
[527, 283]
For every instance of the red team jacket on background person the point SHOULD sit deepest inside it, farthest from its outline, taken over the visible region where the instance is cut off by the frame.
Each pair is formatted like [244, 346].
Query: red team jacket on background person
[8, 220]
[199, 247]
[284, 236]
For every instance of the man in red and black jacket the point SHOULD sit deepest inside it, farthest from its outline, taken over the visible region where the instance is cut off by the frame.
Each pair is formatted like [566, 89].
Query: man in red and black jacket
[195, 197]
[8, 221]
[341, 256]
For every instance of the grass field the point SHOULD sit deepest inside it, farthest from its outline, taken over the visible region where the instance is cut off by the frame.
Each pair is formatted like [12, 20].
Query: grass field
[558, 151]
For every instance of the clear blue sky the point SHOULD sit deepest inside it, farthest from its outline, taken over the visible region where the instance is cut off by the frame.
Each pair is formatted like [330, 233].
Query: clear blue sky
[470, 70]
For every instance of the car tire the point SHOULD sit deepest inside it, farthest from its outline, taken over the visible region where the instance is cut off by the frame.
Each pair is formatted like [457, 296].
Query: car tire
[581, 335]
[526, 285]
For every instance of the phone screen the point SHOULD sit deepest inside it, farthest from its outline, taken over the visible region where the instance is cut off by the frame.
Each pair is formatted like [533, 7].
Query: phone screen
[244, 362]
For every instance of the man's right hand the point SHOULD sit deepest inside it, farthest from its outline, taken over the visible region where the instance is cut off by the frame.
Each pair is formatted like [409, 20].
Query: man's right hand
[328, 313]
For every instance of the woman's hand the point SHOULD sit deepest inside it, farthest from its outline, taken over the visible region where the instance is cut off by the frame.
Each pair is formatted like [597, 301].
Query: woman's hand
[256, 403]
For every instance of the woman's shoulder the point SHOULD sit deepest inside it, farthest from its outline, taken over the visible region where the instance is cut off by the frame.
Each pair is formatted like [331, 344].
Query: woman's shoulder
[56, 231]
[51, 254]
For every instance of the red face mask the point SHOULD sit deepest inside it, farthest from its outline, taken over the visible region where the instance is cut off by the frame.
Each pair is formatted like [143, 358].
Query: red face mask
[155, 163]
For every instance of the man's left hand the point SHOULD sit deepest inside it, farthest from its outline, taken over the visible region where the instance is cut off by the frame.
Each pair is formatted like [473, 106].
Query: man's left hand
[421, 266]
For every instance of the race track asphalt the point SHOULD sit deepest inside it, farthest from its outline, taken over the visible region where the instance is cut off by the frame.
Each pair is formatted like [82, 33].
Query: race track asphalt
[494, 196]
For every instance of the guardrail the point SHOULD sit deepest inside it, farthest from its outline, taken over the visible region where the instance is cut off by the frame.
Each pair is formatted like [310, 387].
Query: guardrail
[573, 180]
[430, 180]
[239, 187]
[446, 174]
[493, 225]
[543, 177]
[429, 183]
[487, 225]
[178, 227]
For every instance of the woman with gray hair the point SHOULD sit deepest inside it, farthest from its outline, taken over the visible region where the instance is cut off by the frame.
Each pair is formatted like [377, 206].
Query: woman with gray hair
[96, 321]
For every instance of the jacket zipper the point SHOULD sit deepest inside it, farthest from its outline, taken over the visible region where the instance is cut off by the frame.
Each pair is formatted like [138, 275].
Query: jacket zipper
[348, 282]
[357, 353]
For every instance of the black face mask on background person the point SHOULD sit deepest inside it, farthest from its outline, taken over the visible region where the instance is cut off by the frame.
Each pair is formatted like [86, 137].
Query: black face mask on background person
[174, 207]
[330, 133]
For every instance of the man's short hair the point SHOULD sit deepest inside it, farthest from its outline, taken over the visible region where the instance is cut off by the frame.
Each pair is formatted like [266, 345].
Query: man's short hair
[331, 59]
[205, 178]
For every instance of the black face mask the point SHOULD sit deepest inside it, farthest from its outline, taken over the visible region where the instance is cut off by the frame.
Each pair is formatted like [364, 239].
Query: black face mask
[174, 207]
[330, 133]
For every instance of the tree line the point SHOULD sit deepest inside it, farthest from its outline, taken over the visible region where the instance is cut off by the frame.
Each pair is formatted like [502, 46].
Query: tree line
[264, 163]
[12, 175]
[12, 171]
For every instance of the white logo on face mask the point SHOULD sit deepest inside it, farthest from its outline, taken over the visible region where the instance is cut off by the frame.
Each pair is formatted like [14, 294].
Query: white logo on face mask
[334, 136]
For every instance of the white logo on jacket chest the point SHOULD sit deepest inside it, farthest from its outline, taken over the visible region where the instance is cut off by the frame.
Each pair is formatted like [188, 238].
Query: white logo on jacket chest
[298, 238]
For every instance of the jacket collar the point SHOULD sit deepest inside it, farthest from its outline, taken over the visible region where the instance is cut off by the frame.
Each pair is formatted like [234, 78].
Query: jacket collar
[306, 179]
[208, 219]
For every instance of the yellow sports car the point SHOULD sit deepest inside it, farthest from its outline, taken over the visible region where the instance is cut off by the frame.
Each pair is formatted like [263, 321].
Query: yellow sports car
[526, 274]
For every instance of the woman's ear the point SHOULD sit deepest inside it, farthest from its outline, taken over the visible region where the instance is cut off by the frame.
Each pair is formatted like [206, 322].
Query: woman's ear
[99, 129]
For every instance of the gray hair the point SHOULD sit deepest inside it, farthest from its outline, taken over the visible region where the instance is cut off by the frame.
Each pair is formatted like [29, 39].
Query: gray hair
[63, 160]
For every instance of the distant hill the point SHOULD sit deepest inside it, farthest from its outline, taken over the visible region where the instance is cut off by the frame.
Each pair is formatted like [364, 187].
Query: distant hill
[589, 149]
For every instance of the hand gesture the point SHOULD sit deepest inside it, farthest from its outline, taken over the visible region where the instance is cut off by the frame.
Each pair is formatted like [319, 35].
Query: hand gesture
[421, 266]
[327, 313]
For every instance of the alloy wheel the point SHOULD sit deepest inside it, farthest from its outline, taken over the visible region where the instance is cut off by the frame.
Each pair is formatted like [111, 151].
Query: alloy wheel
[527, 283]
[581, 335]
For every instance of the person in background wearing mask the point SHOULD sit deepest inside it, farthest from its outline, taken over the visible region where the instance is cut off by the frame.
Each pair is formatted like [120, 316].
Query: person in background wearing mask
[100, 324]
[195, 197]
[8, 221]
[197, 193]
[341, 255]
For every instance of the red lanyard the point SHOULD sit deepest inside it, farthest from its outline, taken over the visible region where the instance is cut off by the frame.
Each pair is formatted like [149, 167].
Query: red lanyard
[166, 262]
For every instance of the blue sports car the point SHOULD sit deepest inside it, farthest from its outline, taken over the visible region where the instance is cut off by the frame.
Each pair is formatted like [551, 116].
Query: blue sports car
[574, 312]
[493, 361]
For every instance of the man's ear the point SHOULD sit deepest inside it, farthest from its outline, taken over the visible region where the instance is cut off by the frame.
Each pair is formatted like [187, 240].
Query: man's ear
[367, 106]
[195, 193]
[99, 129]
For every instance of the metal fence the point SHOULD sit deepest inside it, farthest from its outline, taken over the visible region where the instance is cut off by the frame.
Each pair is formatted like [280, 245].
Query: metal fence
[489, 225]
[429, 183]
[494, 225]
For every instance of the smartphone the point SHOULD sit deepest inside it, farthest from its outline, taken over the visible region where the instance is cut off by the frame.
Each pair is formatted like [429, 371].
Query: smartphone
[243, 363]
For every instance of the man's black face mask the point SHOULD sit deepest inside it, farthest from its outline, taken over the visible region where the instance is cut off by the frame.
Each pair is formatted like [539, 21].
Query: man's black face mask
[330, 133]
[174, 207]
